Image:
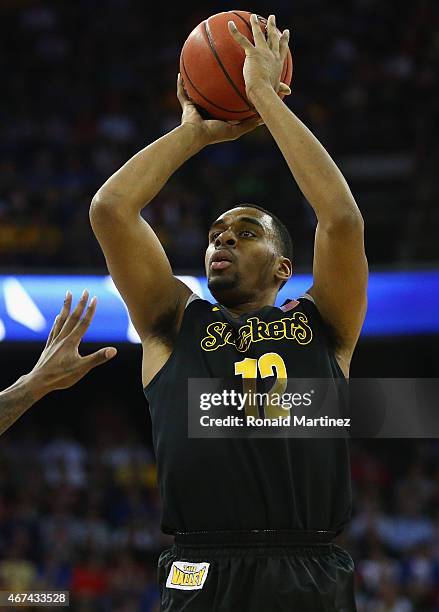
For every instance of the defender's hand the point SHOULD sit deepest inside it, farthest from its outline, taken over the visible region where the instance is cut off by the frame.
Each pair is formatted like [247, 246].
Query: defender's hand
[211, 131]
[265, 59]
[60, 364]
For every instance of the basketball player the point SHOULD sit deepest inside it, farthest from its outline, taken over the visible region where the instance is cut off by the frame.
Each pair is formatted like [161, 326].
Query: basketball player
[253, 519]
[60, 365]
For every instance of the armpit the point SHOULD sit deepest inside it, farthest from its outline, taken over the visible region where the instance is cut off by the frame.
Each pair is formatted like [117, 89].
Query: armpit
[167, 324]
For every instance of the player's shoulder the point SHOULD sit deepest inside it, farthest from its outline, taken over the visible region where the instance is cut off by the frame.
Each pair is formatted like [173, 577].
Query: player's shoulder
[198, 310]
[306, 305]
[197, 303]
[306, 300]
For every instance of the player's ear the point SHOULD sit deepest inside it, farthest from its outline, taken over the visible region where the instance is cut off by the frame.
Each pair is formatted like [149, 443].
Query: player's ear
[284, 268]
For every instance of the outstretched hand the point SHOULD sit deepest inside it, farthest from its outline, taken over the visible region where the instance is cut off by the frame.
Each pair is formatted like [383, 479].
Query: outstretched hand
[265, 59]
[211, 131]
[60, 364]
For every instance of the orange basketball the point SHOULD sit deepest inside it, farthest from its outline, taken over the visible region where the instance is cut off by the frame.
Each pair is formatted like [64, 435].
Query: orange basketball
[211, 63]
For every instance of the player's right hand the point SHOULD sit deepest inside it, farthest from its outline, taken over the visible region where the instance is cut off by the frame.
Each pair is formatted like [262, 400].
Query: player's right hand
[60, 364]
[264, 61]
[211, 131]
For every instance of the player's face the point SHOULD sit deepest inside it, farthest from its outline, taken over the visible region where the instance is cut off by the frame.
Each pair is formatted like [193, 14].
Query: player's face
[241, 256]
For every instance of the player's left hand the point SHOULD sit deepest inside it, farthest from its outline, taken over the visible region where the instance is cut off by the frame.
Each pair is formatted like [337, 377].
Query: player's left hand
[60, 364]
[211, 131]
[265, 59]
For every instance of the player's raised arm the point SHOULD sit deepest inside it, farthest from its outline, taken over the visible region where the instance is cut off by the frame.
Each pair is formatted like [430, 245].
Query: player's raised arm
[340, 266]
[136, 260]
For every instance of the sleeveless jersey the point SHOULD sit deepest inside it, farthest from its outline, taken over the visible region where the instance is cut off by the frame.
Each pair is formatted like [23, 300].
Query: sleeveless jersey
[246, 483]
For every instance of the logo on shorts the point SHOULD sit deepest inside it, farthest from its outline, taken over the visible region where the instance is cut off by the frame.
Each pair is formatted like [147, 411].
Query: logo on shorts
[187, 576]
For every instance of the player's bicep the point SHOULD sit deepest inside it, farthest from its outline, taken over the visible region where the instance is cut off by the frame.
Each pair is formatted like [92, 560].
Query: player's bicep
[139, 268]
[340, 274]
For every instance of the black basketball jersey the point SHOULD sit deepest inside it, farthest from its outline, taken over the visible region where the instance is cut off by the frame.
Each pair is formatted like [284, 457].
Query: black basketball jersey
[246, 483]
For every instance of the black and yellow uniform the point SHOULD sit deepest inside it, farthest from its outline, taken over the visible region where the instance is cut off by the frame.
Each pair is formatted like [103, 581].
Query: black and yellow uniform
[254, 518]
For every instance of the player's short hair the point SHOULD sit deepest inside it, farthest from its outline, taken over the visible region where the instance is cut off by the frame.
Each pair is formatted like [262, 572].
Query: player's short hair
[283, 235]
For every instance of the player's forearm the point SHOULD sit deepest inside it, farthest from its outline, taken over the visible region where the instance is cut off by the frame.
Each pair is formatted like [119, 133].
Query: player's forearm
[17, 398]
[316, 174]
[143, 176]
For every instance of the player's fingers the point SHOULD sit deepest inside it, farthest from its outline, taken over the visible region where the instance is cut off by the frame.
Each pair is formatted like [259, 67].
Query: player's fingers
[75, 316]
[60, 318]
[258, 34]
[272, 34]
[83, 324]
[240, 38]
[50, 336]
[95, 359]
[180, 89]
[283, 44]
[181, 94]
[284, 89]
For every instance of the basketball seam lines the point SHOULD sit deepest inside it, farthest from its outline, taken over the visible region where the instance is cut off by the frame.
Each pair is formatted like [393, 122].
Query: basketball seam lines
[221, 65]
[207, 99]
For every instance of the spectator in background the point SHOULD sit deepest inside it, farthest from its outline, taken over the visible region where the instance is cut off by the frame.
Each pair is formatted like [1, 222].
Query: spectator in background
[408, 528]
[389, 599]
[89, 583]
[64, 460]
[378, 566]
[420, 573]
[54, 571]
[17, 570]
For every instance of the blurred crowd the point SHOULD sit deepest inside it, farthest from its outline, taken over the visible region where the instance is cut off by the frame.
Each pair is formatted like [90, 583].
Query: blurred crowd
[86, 84]
[81, 518]
[81, 513]
[394, 533]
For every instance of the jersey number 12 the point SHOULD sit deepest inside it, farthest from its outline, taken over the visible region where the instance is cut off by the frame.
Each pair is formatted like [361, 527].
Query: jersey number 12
[269, 364]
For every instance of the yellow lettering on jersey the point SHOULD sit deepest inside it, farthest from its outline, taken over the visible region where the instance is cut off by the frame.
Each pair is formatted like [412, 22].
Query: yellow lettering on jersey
[220, 333]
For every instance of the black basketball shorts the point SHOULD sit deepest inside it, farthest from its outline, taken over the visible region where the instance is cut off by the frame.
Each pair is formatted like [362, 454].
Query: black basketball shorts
[255, 572]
